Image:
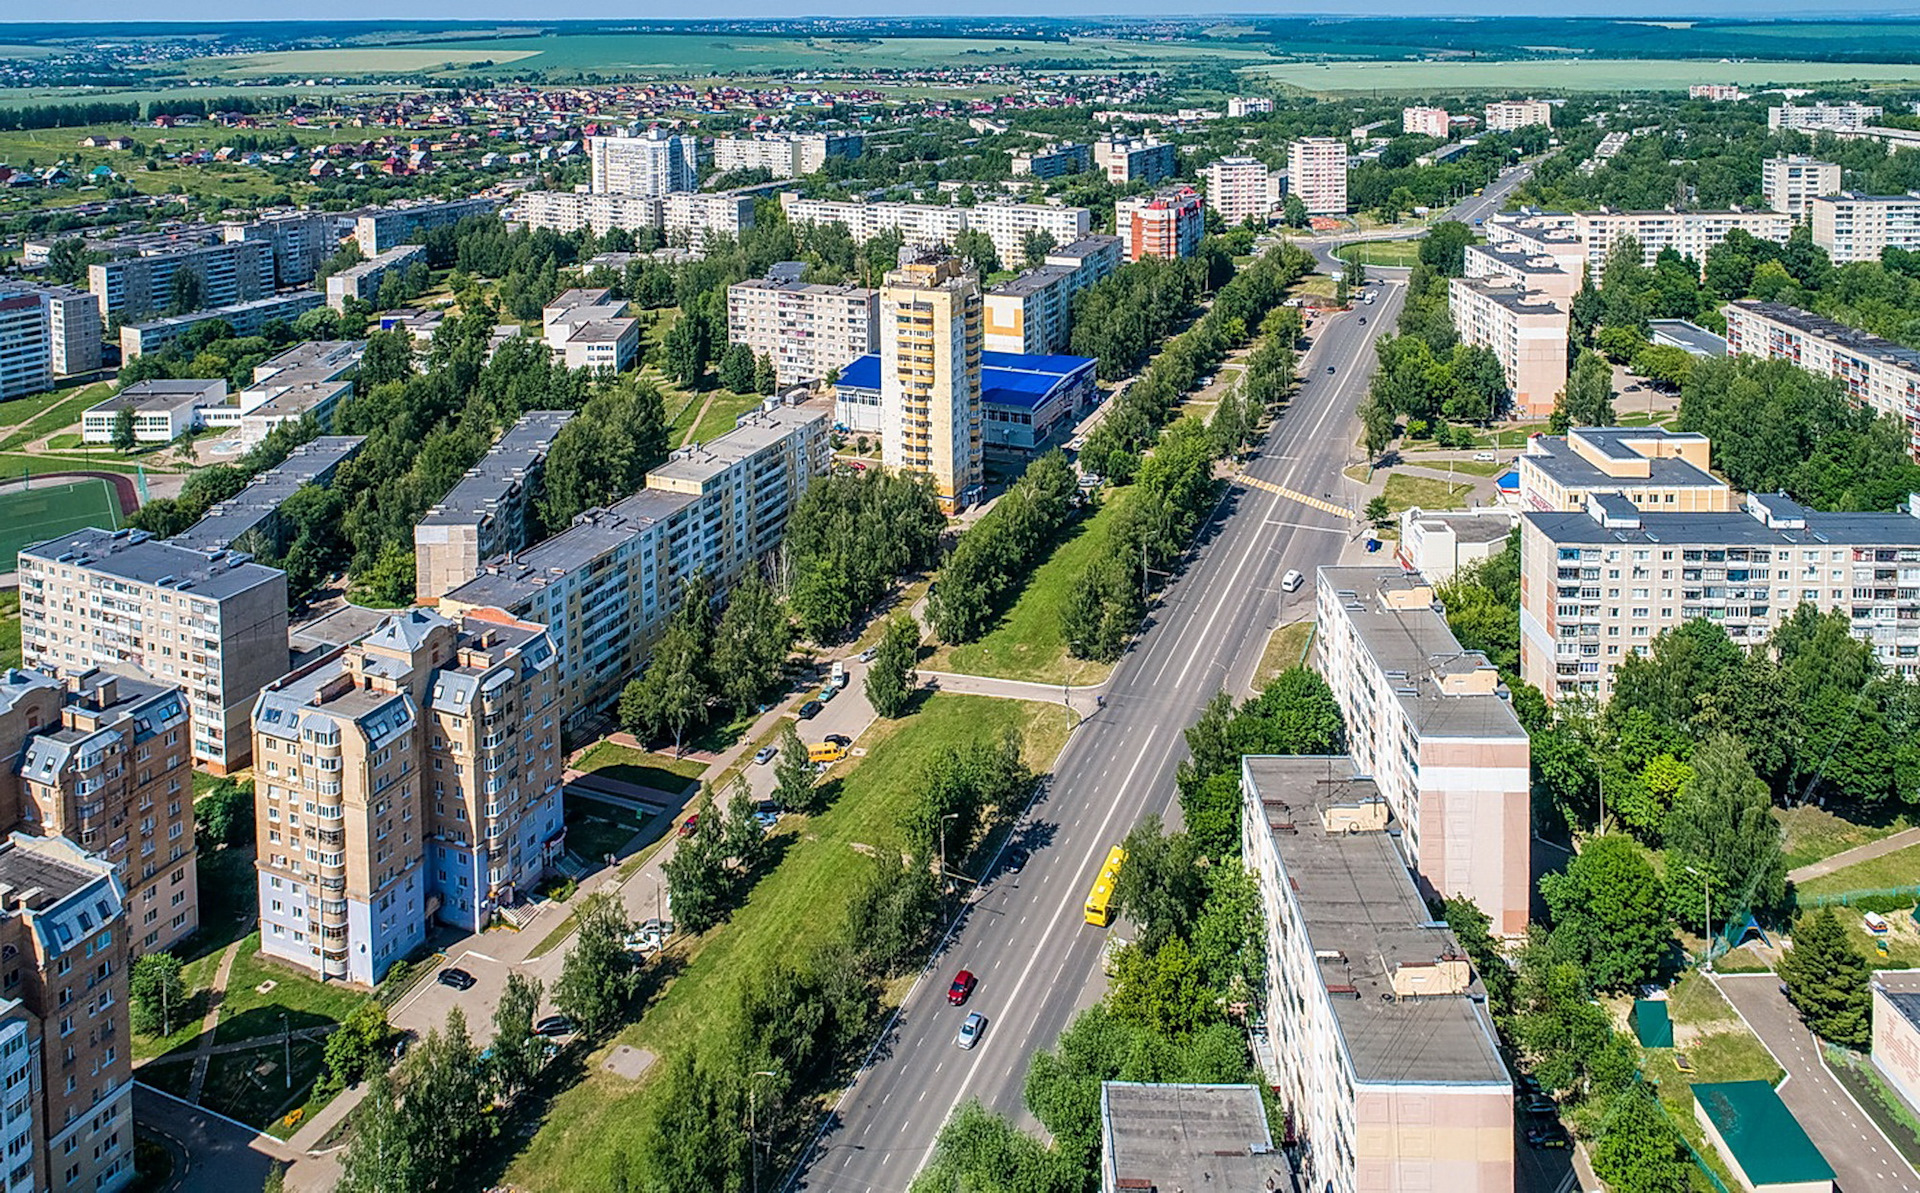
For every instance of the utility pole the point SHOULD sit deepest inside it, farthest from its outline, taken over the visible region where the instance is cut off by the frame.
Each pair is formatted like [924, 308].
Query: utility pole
[286, 1040]
[943, 862]
[753, 1145]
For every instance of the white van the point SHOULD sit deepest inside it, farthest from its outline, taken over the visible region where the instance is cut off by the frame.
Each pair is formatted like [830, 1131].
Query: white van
[1291, 581]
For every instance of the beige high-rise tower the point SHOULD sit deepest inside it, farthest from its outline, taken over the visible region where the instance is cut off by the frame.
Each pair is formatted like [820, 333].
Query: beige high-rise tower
[931, 332]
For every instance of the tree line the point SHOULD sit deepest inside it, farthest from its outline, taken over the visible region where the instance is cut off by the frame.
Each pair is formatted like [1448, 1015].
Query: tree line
[992, 561]
[851, 535]
[711, 657]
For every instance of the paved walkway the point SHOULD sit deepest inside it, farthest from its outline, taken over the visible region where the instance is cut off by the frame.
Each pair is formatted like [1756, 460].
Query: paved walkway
[1859, 853]
[1082, 700]
[216, 994]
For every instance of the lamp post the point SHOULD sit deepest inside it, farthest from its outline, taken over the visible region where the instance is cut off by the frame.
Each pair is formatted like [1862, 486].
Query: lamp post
[1706, 882]
[943, 861]
[753, 1146]
[286, 1040]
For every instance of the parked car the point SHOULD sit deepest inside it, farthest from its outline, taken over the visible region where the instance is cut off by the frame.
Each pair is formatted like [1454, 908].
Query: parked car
[690, 825]
[866, 656]
[1549, 1135]
[971, 1029]
[809, 710]
[838, 739]
[962, 987]
[554, 1025]
[1541, 1104]
[1485, 457]
[457, 978]
[764, 755]
[1329, 369]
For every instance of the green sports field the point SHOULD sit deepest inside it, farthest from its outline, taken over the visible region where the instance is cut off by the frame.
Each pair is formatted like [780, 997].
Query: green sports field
[29, 516]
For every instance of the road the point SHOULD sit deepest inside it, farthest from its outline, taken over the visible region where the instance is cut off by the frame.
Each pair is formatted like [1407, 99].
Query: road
[1861, 1156]
[1036, 960]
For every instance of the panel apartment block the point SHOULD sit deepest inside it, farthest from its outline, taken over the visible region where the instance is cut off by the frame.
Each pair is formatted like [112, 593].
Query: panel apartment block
[1525, 329]
[1856, 227]
[1601, 583]
[1823, 116]
[411, 776]
[808, 330]
[302, 241]
[1557, 274]
[130, 287]
[1317, 172]
[246, 318]
[1652, 467]
[1389, 1071]
[686, 218]
[361, 282]
[253, 514]
[1009, 225]
[931, 336]
[1128, 160]
[784, 155]
[1240, 188]
[1878, 373]
[102, 760]
[490, 512]
[26, 345]
[1792, 183]
[381, 228]
[1689, 233]
[605, 585]
[1424, 122]
[74, 329]
[1058, 161]
[1509, 115]
[654, 163]
[213, 622]
[1432, 725]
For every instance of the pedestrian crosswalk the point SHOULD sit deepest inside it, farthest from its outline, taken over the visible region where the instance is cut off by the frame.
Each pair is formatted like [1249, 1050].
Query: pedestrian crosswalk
[1327, 507]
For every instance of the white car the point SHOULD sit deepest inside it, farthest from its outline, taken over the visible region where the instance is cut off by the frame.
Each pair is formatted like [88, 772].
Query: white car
[970, 1030]
[1292, 581]
[1485, 457]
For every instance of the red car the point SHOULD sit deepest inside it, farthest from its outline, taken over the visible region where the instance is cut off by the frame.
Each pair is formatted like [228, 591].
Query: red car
[961, 988]
[692, 823]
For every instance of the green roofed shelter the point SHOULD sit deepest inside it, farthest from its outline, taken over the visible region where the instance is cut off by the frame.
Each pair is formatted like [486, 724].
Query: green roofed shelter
[1652, 1023]
[1760, 1139]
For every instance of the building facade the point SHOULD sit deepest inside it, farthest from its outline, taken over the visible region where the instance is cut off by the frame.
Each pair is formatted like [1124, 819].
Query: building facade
[490, 512]
[1057, 161]
[1856, 227]
[1240, 188]
[26, 344]
[1792, 183]
[1526, 329]
[1557, 274]
[808, 330]
[654, 164]
[784, 155]
[1033, 314]
[1823, 116]
[246, 318]
[1127, 160]
[1317, 172]
[1424, 122]
[1249, 105]
[1689, 233]
[932, 332]
[1719, 93]
[1878, 373]
[302, 241]
[74, 333]
[1652, 467]
[686, 218]
[128, 288]
[381, 228]
[1508, 115]
[1169, 223]
[361, 283]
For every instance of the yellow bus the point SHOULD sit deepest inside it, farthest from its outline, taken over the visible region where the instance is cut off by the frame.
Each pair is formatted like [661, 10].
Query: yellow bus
[1100, 898]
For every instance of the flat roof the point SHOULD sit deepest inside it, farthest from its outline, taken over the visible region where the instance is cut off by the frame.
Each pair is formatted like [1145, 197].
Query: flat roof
[383, 260]
[1363, 917]
[274, 302]
[1760, 1133]
[593, 534]
[1488, 527]
[1555, 456]
[25, 866]
[757, 430]
[311, 463]
[1190, 1137]
[1032, 281]
[138, 557]
[1691, 336]
[164, 394]
[506, 463]
[795, 286]
[1086, 246]
[1013, 379]
[1514, 297]
[1852, 338]
[602, 330]
[1735, 528]
[1518, 258]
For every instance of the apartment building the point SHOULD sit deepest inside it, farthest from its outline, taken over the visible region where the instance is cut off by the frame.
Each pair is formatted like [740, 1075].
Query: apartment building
[65, 1049]
[245, 319]
[102, 760]
[1168, 223]
[74, 330]
[605, 585]
[686, 218]
[1792, 183]
[1390, 1075]
[213, 622]
[232, 272]
[1431, 724]
[490, 512]
[1600, 583]
[411, 776]
[1823, 116]
[1009, 225]
[302, 241]
[1249, 105]
[1689, 233]
[1057, 161]
[163, 409]
[361, 283]
[931, 336]
[1240, 188]
[653, 163]
[251, 517]
[380, 228]
[1556, 274]
[1317, 172]
[808, 330]
[1719, 93]
[308, 380]
[1652, 467]
[26, 345]
[917, 223]
[1539, 233]
[1167, 1136]
[1425, 122]
[1856, 227]
[1878, 373]
[784, 155]
[1033, 314]
[1509, 115]
[1126, 160]
[1526, 329]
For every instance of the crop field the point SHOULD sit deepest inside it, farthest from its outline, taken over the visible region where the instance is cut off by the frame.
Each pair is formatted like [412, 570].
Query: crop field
[1593, 74]
[371, 60]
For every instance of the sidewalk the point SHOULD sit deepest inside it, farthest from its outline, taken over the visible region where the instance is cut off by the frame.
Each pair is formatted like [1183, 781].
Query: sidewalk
[1859, 853]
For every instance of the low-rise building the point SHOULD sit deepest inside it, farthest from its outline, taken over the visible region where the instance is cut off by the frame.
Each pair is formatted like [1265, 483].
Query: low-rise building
[1689, 337]
[1317, 173]
[1438, 543]
[1896, 1038]
[1240, 188]
[245, 319]
[1390, 1073]
[1791, 183]
[1878, 373]
[1508, 115]
[808, 330]
[1857, 227]
[490, 512]
[1169, 223]
[1759, 1138]
[1029, 403]
[590, 329]
[1135, 159]
[1526, 329]
[163, 409]
[307, 381]
[1055, 161]
[1155, 1136]
[1425, 122]
[250, 519]
[361, 282]
[1652, 467]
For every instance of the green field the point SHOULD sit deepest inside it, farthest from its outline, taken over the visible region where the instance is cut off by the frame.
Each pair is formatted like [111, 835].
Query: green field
[1380, 252]
[29, 516]
[1547, 76]
[1901, 868]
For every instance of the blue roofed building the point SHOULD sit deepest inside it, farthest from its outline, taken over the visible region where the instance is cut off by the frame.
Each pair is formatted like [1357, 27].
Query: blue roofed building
[1029, 403]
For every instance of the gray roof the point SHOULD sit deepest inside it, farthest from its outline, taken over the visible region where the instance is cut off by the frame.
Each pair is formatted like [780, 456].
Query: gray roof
[1086, 246]
[317, 360]
[1190, 1137]
[1511, 295]
[756, 431]
[1788, 525]
[1034, 280]
[273, 304]
[1691, 336]
[1850, 338]
[1518, 258]
[139, 708]
[1470, 528]
[1554, 455]
[165, 394]
[137, 557]
[16, 683]
[785, 285]
[594, 534]
[602, 330]
[505, 465]
[1363, 916]
[313, 462]
[1907, 1003]
[1416, 650]
[383, 261]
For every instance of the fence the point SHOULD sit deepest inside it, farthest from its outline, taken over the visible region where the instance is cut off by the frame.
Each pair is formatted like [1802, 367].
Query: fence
[1847, 898]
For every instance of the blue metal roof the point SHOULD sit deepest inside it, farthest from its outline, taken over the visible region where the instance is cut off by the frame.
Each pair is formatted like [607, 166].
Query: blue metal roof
[1006, 378]
[863, 373]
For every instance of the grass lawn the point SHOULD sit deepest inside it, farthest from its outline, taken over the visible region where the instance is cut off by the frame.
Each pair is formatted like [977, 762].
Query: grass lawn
[1901, 868]
[1465, 467]
[1429, 493]
[596, 829]
[10, 628]
[1286, 647]
[1381, 252]
[38, 416]
[252, 1086]
[1029, 642]
[801, 903]
[1719, 1047]
[1810, 834]
[662, 772]
[723, 409]
[247, 1014]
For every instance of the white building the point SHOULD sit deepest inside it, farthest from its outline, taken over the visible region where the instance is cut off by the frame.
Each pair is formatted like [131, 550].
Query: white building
[1878, 373]
[1856, 227]
[163, 409]
[1823, 116]
[1719, 93]
[655, 163]
[26, 344]
[381, 228]
[1689, 233]
[1438, 543]
[1425, 122]
[808, 330]
[1317, 172]
[686, 218]
[1511, 114]
[1135, 159]
[1008, 224]
[784, 155]
[1249, 105]
[1791, 183]
[1240, 188]
[361, 283]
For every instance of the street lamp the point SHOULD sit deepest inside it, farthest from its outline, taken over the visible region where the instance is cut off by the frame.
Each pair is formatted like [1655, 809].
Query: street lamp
[1706, 881]
[943, 858]
[286, 1039]
[753, 1146]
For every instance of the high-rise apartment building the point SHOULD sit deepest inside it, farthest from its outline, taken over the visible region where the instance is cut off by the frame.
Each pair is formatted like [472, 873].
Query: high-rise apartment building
[1878, 373]
[686, 218]
[490, 512]
[1601, 583]
[361, 283]
[1390, 1073]
[1508, 115]
[1431, 723]
[224, 274]
[302, 241]
[1056, 161]
[808, 330]
[102, 760]
[655, 163]
[1823, 116]
[1033, 314]
[1249, 105]
[26, 344]
[1317, 172]
[1856, 227]
[1424, 122]
[931, 336]
[1555, 274]
[1135, 159]
[412, 775]
[1009, 225]
[1168, 223]
[784, 155]
[1526, 329]
[213, 622]
[73, 332]
[1240, 188]
[1652, 467]
[1791, 183]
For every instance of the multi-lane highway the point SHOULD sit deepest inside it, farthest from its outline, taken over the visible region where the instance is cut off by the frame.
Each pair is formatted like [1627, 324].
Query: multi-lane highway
[1024, 938]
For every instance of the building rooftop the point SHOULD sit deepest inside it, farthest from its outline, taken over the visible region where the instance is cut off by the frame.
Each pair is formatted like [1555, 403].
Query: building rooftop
[105, 700]
[1514, 297]
[1370, 930]
[601, 331]
[1905, 1002]
[1691, 336]
[384, 260]
[164, 395]
[40, 871]
[1556, 456]
[757, 430]
[238, 310]
[1086, 246]
[1189, 1137]
[1487, 527]
[1866, 344]
[1006, 378]
[1760, 1133]
[312, 462]
[796, 286]
[505, 465]
[1518, 259]
[506, 582]
[1769, 520]
[139, 558]
[322, 360]
[1034, 280]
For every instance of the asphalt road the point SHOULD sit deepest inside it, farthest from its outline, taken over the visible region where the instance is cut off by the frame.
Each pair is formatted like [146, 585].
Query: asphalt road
[1024, 938]
[210, 1154]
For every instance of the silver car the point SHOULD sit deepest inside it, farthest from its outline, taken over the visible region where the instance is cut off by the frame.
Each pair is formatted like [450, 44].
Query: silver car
[971, 1029]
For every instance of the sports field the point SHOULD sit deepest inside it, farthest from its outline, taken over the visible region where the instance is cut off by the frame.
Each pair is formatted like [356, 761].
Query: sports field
[1581, 74]
[29, 516]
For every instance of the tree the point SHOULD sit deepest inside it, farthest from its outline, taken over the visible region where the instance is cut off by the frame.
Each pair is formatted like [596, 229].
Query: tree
[978, 251]
[1588, 399]
[1636, 1149]
[359, 1047]
[1378, 421]
[388, 357]
[1035, 246]
[183, 292]
[672, 694]
[224, 815]
[889, 683]
[1162, 887]
[123, 437]
[380, 1156]
[1443, 250]
[793, 775]
[1826, 980]
[736, 368]
[517, 1052]
[1294, 211]
[444, 1104]
[1722, 822]
[276, 1179]
[765, 376]
[685, 351]
[157, 994]
[1608, 912]
[1378, 512]
[1473, 929]
[743, 840]
[1162, 990]
[750, 643]
[69, 259]
[697, 878]
[978, 1150]
[597, 976]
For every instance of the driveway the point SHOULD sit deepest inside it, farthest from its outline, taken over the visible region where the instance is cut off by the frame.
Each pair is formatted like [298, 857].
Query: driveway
[1850, 1141]
[210, 1154]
